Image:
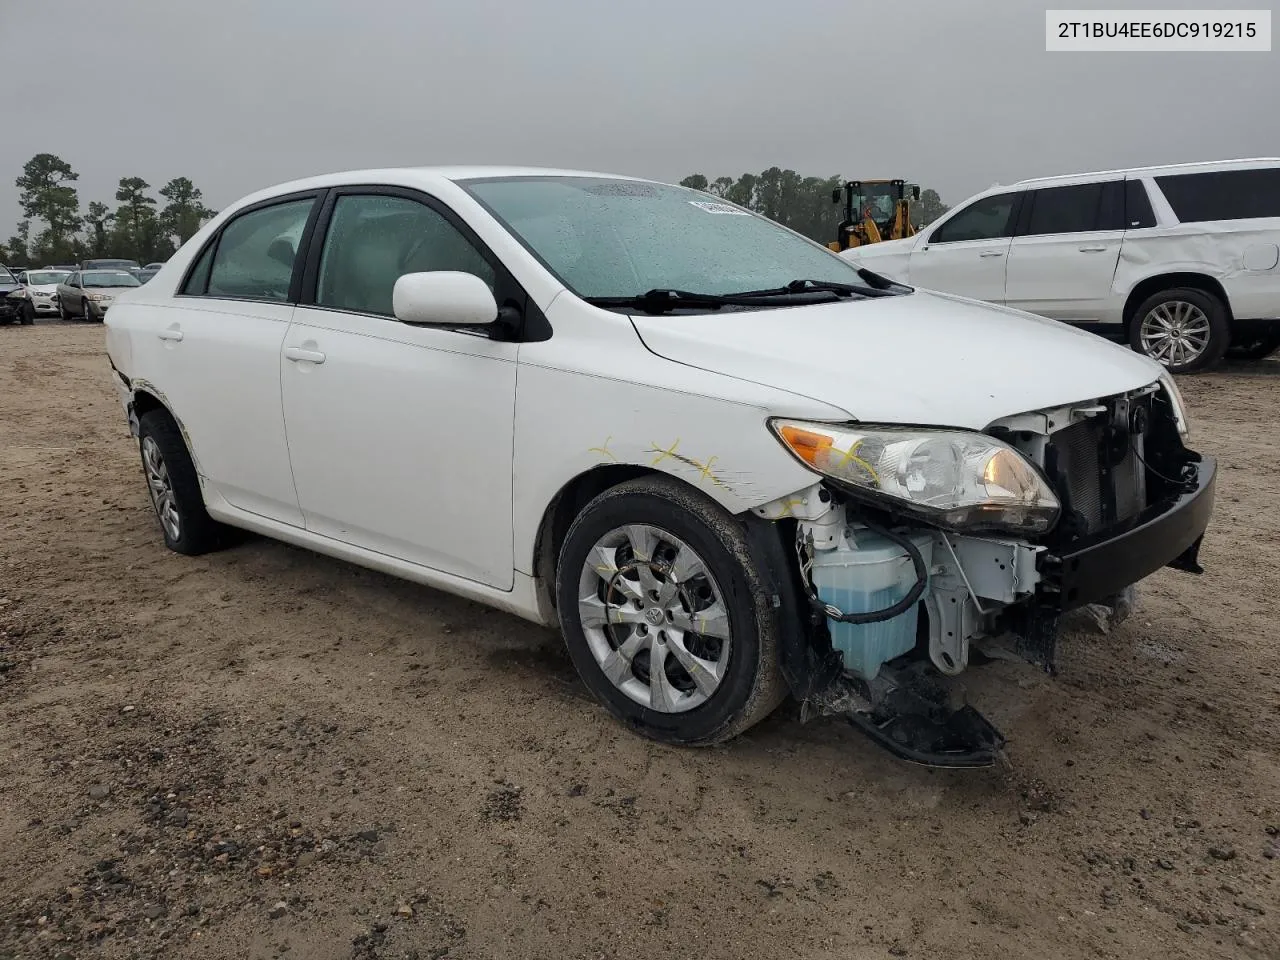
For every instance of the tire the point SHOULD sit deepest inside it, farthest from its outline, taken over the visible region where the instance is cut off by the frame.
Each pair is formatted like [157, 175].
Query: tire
[1191, 323]
[86, 311]
[187, 527]
[28, 315]
[63, 315]
[1259, 348]
[748, 684]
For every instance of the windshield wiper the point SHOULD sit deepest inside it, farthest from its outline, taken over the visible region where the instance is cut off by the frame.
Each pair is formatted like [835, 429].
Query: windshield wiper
[660, 300]
[828, 286]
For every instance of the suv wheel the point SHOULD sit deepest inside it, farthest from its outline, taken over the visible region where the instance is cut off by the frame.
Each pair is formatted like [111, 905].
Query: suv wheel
[1185, 329]
[665, 616]
[174, 487]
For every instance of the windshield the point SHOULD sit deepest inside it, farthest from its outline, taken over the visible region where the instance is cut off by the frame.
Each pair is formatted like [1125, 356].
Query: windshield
[621, 238]
[42, 278]
[110, 265]
[876, 201]
[104, 278]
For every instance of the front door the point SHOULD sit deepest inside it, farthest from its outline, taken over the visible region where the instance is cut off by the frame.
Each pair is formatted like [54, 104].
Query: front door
[400, 436]
[966, 254]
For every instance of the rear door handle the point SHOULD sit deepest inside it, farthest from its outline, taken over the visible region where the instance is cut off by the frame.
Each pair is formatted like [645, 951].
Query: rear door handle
[1092, 249]
[170, 333]
[305, 356]
[991, 253]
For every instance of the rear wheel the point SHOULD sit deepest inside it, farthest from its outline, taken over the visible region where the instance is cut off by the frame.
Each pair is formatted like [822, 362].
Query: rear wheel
[665, 616]
[174, 487]
[1185, 329]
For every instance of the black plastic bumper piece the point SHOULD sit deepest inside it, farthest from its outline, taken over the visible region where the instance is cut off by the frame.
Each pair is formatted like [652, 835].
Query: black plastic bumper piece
[963, 739]
[1167, 535]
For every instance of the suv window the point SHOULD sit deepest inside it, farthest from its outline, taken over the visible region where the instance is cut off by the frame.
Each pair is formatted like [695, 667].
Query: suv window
[1223, 195]
[986, 219]
[1071, 209]
[373, 240]
[1137, 206]
[255, 254]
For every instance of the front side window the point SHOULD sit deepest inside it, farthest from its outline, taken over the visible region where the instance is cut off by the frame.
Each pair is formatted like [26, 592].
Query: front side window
[73, 280]
[985, 219]
[1223, 195]
[608, 238]
[374, 240]
[256, 252]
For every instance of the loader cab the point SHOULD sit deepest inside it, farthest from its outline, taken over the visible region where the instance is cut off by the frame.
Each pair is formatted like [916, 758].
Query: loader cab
[874, 210]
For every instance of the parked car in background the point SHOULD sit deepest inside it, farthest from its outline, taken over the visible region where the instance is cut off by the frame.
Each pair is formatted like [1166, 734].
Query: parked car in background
[149, 271]
[128, 266]
[1181, 262]
[727, 463]
[10, 304]
[39, 292]
[90, 293]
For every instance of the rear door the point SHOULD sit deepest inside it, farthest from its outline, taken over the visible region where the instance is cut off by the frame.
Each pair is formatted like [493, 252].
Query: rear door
[966, 253]
[213, 352]
[1062, 260]
[400, 436]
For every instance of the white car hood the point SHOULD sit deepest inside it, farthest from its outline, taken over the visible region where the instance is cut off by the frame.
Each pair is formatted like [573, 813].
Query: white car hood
[43, 287]
[922, 358]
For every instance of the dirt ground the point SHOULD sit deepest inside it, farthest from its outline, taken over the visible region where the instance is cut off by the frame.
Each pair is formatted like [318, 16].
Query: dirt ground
[264, 753]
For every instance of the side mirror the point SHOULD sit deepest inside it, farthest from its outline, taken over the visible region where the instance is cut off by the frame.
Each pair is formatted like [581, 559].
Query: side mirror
[444, 298]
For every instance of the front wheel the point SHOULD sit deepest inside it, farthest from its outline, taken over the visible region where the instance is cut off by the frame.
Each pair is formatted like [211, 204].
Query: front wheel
[174, 487]
[63, 313]
[1185, 329]
[665, 614]
[28, 315]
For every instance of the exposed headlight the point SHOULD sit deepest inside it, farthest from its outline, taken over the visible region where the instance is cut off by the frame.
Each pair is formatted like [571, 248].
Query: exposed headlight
[951, 478]
[19, 294]
[1179, 407]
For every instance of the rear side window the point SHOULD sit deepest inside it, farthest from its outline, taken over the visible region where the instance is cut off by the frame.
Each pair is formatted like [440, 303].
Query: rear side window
[1223, 195]
[1137, 206]
[373, 240]
[254, 256]
[986, 219]
[1071, 209]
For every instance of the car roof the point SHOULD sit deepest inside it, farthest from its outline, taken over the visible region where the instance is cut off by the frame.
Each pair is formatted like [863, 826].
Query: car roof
[1209, 166]
[426, 176]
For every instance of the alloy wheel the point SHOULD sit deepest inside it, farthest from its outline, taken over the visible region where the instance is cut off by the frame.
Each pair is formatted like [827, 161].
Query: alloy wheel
[654, 618]
[1175, 333]
[161, 488]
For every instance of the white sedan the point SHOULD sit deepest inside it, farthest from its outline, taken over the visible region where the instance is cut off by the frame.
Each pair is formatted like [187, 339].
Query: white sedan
[725, 462]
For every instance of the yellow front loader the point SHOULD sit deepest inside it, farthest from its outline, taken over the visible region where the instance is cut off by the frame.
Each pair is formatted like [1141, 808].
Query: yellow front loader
[874, 210]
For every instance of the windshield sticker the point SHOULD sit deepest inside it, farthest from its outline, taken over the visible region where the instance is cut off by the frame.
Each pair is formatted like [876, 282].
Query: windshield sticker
[709, 207]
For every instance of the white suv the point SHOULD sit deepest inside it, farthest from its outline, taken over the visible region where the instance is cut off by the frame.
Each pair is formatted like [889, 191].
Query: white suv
[1178, 261]
[725, 462]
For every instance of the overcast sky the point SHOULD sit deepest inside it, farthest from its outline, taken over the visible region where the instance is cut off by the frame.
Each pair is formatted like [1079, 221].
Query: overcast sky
[954, 94]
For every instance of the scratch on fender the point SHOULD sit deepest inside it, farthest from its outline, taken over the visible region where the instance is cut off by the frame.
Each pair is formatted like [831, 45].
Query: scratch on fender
[704, 469]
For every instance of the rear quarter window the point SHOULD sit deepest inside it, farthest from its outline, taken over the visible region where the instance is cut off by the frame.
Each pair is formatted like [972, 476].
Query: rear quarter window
[1223, 194]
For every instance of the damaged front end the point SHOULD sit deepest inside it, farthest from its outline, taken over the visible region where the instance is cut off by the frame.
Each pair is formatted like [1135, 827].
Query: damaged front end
[921, 546]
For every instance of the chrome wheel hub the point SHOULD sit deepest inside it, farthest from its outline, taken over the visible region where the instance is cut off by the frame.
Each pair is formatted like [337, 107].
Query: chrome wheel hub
[161, 489]
[654, 618]
[1175, 333]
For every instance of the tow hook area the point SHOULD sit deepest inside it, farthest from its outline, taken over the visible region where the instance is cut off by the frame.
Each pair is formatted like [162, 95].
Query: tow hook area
[907, 712]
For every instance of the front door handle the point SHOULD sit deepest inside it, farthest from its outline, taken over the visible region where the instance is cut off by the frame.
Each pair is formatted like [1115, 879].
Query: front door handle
[170, 333]
[304, 356]
[991, 253]
[1092, 249]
